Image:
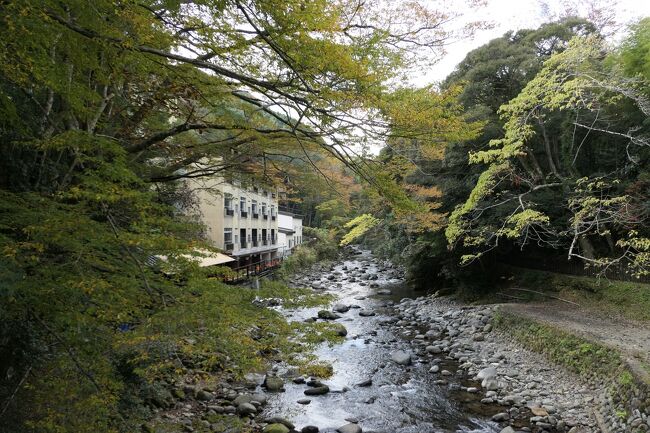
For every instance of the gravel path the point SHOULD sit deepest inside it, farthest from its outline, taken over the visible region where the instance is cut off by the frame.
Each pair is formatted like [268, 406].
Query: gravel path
[632, 339]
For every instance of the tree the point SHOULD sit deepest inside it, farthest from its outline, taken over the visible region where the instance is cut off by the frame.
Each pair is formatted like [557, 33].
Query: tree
[104, 108]
[578, 96]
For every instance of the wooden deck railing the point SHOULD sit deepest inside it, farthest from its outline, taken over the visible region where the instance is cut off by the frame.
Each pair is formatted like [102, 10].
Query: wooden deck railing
[245, 272]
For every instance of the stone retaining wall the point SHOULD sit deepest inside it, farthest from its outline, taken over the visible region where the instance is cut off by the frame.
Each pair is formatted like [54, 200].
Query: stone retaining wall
[626, 408]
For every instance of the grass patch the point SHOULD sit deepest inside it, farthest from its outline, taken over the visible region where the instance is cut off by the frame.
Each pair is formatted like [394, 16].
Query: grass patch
[625, 378]
[293, 297]
[318, 369]
[620, 298]
[575, 353]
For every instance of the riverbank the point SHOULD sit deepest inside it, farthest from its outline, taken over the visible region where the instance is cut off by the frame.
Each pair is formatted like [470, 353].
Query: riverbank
[431, 346]
[383, 359]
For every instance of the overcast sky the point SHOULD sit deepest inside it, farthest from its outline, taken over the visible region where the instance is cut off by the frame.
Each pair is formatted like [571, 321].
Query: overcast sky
[520, 14]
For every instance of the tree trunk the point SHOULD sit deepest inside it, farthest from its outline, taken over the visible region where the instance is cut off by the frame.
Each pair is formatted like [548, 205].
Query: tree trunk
[587, 247]
[548, 150]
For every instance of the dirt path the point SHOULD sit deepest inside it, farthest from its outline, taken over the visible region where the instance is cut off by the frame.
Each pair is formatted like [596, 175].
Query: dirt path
[630, 338]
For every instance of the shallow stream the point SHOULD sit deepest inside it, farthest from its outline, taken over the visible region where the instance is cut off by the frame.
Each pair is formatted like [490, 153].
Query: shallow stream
[400, 399]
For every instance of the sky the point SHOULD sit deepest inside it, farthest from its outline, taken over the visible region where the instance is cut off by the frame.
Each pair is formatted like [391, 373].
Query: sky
[508, 15]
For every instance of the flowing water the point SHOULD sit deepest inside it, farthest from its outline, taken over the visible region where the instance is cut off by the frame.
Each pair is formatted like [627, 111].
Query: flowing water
[401, 399]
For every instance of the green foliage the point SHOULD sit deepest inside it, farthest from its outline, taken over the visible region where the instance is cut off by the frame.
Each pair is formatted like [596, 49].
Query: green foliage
[322, 247]
[511, 199]
[635, 51]
[101, 116]
[358, 227]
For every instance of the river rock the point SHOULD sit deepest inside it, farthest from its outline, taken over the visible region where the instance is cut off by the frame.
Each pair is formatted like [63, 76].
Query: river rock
[341, 308]
[400, 357]
[273, 383]
[328, 315]
[341, 331]
[366, 313]
[243, 398]
[245, 409]
[318, 390]
[490, 384]
[276, 428]
[501, 416]
[365, 383]
[508, 430]
[203, 395]
[349, 428]
[304, 401]
[309, 429]
[279, 420]
[384, 292]
[253, 379]
[487, 373]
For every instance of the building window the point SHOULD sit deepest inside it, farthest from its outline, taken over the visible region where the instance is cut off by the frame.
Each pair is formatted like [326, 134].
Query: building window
[264, 214]
[242, 237]
[227, 204]
[273, 212]
[272, 236]
[254, 211]
[227, 239]
[242, 207]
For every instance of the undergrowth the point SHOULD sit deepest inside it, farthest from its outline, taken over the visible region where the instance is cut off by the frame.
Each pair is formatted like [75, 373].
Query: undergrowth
[578, 355]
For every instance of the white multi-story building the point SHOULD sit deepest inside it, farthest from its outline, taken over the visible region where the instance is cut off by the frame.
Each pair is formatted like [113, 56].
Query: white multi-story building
[289, 232]
[241, 221]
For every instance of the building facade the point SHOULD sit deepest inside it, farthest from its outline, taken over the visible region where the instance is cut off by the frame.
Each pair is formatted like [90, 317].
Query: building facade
[290, 232]
[239, 220]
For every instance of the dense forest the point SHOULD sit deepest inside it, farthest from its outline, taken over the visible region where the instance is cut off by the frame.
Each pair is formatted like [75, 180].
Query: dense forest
[536, 147]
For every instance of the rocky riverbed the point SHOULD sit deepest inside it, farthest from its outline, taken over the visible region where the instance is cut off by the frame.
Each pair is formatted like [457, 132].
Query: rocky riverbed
[421, 365]
[408, 364]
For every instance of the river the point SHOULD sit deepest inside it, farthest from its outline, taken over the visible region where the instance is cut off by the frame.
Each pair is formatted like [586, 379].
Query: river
[400, 399]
